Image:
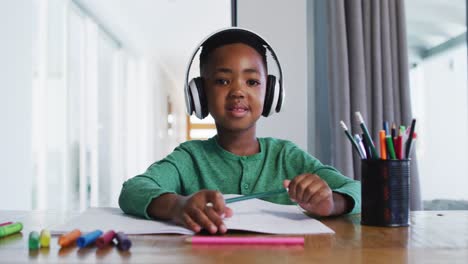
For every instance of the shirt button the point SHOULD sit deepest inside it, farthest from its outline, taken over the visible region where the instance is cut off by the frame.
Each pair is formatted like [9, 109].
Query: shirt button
[246, 186]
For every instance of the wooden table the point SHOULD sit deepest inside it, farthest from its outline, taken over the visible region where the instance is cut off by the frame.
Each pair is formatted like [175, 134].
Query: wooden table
[433, 237]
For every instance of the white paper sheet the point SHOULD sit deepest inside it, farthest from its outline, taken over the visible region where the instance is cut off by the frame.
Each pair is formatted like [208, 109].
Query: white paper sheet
[264, 217]
[249, 215]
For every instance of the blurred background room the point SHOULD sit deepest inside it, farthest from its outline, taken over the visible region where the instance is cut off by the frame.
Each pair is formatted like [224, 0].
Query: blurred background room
[92, 91]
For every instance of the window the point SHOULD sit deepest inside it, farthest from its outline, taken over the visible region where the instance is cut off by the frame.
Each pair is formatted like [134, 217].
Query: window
[77, 105]
[439, 94]
[200, 129]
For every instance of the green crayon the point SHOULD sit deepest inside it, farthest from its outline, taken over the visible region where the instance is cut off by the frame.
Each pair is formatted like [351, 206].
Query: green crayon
[10, 229]
[34, 240]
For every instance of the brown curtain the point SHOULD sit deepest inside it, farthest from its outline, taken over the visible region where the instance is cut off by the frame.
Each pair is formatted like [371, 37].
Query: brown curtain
[367, 72]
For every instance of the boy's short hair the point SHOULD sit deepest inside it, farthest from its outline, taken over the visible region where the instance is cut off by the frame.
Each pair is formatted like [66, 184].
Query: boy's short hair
[231, 37]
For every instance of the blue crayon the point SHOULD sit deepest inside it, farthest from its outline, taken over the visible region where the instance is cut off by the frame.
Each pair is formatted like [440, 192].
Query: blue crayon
[89, 238]
[123, 242]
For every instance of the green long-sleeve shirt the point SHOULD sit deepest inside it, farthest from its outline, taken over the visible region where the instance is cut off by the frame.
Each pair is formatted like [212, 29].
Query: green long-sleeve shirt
[203, 164]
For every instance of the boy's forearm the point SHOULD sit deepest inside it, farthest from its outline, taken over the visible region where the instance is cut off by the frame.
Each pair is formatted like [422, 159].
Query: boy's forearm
[164, 207]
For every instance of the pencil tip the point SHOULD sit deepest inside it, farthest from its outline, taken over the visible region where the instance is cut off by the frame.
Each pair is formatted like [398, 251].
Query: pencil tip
[359, 117]
[343, 125]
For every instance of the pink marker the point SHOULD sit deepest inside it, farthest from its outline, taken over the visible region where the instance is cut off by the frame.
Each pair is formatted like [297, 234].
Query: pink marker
[7, 223]
[213, 240]
[105, 239]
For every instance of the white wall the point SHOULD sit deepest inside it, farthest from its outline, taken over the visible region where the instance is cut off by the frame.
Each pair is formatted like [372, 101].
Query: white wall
[440, 100]
[283, 24]
[16, 20]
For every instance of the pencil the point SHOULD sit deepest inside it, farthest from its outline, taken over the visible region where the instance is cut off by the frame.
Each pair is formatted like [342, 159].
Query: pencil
[358, 140]
[396, 146]
[391, 149]
[408, 143]
[353, 142]
[383, 145]
[360, 120]
[213, 240]
[366, 147]
[386, 128]
[255, 195]
[393, 130]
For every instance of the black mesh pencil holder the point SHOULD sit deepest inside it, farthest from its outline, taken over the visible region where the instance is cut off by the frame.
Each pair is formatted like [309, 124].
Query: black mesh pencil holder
[385, 192]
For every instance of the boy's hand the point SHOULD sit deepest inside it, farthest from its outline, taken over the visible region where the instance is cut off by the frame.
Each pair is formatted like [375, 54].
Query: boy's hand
[203, 210]
[311, 193]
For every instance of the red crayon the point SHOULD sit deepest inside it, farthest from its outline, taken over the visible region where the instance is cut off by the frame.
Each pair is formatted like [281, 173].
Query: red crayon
[105, 239]
[6, 223]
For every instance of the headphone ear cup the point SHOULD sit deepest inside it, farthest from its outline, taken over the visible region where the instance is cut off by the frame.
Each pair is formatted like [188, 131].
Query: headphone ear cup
[279, 104]
[269, 95]
[197, 94]
[189, 99]
[203, 110]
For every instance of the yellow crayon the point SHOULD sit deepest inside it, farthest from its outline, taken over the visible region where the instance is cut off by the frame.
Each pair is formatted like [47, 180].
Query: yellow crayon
[45, 238]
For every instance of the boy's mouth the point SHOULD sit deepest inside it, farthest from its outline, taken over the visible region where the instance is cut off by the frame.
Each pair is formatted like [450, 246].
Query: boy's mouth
[238, 110]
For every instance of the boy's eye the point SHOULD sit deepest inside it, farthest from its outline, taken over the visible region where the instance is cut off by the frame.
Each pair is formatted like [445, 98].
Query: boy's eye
[221, 81]
[253, 82]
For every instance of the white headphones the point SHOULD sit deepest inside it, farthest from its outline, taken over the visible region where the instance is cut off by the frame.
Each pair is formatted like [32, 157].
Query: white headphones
[195, 99]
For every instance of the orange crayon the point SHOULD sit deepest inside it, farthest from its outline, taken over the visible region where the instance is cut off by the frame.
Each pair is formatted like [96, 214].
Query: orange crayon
[69, 238]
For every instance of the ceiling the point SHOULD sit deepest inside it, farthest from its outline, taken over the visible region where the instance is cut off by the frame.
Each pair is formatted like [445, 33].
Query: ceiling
[431, 23]
[169, 30]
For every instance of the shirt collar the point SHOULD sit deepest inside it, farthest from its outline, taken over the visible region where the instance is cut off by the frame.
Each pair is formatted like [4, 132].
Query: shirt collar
[226, 154]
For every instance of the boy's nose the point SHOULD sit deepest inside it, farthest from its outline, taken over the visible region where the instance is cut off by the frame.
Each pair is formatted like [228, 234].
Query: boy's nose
[236, 93]
[236, 90]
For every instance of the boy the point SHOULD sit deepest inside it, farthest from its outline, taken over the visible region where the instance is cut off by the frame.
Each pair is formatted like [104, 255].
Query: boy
[186, 187]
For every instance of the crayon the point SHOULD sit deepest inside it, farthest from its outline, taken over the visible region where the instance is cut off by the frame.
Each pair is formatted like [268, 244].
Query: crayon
[6, 223]
[69, 238]
[45, 238]
[123, 242]
[10, 229]
[33, 241]
[88, 239]
[105, 239]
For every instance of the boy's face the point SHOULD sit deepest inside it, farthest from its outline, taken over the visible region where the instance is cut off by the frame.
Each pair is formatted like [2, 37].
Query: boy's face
[235, 81]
